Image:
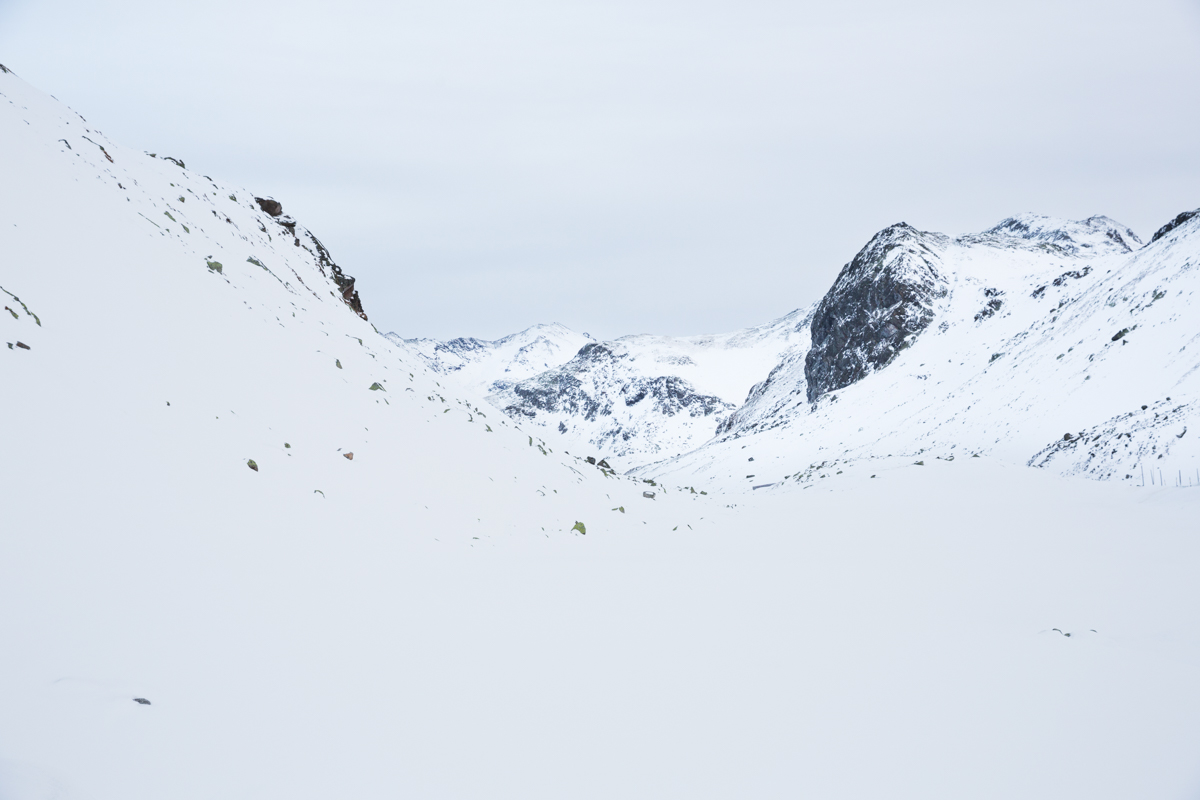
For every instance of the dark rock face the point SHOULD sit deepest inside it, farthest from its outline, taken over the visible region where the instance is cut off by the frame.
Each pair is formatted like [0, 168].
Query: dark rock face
[879, 304]
[672, 395]
[272, 207]
[586, 387]
[344, 282]
[1173, 224]
[556, 391]
[325, 262]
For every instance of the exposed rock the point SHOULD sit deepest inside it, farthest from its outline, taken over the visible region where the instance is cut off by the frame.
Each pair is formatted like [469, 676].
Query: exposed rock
[1173, 224]
[272, 207]
[348, 456]
[344, 282]
[879, 304]
[141, 701]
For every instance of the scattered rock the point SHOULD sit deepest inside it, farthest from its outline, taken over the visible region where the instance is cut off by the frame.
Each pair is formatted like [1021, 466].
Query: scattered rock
[141, 701]
[376, 387]
[603, 463]
[252, 464]
[23, 346]
[590, 460]
[648, 495]
[348, 456]
[216, 266]
[579, 526]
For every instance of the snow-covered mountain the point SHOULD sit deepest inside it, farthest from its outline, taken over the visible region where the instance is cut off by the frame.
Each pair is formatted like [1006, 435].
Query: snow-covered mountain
[249, 546]
[492, 366]
[1065, 345]
[631, 400]
[922, 342]
[640, 398]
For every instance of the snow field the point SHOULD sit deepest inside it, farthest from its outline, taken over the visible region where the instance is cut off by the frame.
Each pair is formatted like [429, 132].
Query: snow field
[422, 620]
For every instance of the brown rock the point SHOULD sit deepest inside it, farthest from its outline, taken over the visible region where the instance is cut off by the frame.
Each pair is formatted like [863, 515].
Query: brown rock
[272, 207]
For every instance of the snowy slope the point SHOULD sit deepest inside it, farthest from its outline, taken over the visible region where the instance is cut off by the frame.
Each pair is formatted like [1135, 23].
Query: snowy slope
[422, 621]
[485, 366]
[640, 398]
[1035, 343]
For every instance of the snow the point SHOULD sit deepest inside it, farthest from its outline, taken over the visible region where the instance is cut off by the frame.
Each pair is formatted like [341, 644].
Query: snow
[1052, 361]
[483, 366]
[692, 383]
[421, 621]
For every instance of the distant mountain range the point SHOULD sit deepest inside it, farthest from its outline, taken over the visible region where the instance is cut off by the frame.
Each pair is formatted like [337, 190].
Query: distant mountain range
[1039, 339]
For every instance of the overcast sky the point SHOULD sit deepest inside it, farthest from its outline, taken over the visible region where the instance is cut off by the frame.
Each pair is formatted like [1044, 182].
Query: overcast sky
[649, 166]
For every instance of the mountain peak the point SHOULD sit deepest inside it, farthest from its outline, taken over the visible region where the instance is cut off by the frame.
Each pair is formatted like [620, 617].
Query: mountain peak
[1095, 235]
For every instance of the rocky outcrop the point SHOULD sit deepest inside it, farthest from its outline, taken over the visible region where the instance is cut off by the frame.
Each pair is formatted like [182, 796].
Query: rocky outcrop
[344, 282]
[1173, 224]
[272, 207]
[879, 304]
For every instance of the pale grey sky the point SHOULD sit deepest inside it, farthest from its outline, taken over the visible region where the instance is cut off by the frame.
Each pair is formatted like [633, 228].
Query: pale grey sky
[636, 167]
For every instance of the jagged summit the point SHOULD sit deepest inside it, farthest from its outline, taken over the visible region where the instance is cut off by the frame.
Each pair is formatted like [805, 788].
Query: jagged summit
[879, 304]
[1096, 235]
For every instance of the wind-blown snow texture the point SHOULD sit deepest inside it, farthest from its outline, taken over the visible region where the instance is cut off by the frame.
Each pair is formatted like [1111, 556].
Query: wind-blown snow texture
[461, 610]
